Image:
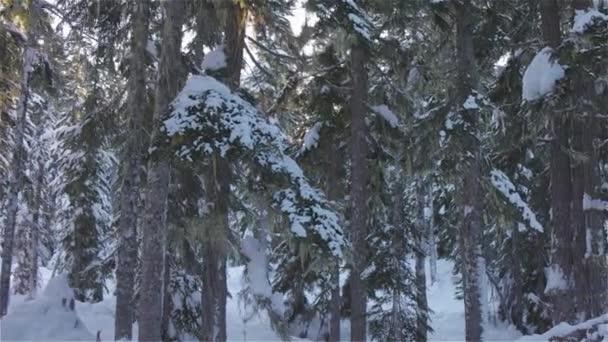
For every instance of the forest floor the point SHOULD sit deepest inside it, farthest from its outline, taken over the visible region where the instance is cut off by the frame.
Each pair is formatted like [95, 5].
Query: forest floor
[32, 320]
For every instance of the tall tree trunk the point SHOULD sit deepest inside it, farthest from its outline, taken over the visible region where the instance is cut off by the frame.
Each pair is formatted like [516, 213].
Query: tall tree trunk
[421, 299]
[561, 185]
[359, 191]
[218, 180]
[471, 194]
[126, 262]
[589, 271]
[16, 176]
[155, 213]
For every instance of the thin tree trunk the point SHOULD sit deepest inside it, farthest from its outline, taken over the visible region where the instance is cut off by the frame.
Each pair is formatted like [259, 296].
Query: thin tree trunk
[471, 206]
[333, 193]
[126, 262]
[155, 216]
[16, 176]
[359, 191]
[36, 228]
[421, 299]
[431, 242]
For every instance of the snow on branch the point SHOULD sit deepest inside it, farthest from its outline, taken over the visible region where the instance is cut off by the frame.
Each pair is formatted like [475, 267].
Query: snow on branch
[360, 20]
[503, 184]
[311, 138]
[387, 114]
[564, 329]
[590, 203]
[208, 117]
[349, 13]
[583, 19]
[541, 75]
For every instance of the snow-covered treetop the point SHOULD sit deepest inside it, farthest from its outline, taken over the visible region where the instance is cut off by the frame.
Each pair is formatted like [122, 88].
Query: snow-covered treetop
[207, 117]
[541, 75]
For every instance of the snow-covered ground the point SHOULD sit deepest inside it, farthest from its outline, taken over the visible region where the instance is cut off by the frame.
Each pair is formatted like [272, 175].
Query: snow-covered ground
[447, 319]
[45, 317]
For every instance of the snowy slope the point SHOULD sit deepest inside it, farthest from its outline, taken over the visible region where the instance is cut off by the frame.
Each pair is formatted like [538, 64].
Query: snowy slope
[447, 319]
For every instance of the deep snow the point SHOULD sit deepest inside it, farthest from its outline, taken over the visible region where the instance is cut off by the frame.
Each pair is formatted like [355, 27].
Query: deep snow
[33, 324]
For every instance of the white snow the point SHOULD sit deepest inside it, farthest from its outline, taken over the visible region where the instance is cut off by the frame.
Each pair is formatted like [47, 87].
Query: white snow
[563, 329]
[504, 185]
[470, 103]
[447, 318]
[583, 19]
[311, 138]
[152, 49]
[590, 203]
[52, 316]
[223, 121]
[541, 75]
[387, 114]
[556, 280]
[215, 59]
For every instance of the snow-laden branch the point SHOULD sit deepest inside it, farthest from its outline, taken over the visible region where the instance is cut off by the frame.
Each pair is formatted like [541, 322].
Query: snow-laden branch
[583, 19]
[348, 13]
[542, 75]
[503, 184]
[208, 117]
[387, 114]
[564, 329]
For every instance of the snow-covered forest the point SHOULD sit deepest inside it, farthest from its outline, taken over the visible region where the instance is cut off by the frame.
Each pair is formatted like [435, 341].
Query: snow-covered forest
[304, 170]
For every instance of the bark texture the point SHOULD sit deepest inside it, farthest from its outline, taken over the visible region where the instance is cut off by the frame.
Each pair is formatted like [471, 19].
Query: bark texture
[126, 261]
[155, 216]
[562, 234]
[359, 191]
[471, 195]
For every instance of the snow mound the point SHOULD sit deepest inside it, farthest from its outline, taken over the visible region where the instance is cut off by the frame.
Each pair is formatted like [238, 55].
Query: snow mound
[53, 315]
[541, 75]
[583, 19]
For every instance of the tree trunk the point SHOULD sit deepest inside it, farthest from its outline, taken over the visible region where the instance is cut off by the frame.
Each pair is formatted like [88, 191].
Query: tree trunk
[126, 262]
[359, 191]
[16, 176]
[589, 272]
[155, 215]
[218, 180]
[561, 185]
[334, 194]
[215, 244]
[36, 227]
[431, 240]
[421, 299]
[471, 194]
